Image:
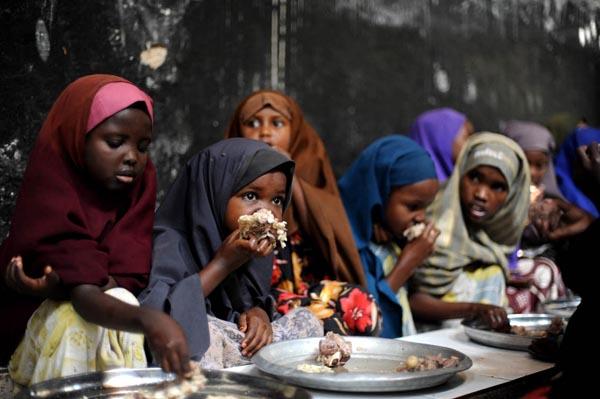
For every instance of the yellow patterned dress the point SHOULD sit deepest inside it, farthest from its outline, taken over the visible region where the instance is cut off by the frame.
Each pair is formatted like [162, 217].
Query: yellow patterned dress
[58, 343]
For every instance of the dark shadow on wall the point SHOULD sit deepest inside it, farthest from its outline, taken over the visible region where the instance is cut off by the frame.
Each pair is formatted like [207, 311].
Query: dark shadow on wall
[359, 69]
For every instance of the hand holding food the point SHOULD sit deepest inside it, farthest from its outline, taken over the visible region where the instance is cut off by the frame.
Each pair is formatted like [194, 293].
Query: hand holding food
[262, 224]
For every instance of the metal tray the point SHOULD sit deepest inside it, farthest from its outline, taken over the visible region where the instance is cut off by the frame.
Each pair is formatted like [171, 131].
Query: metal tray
[120, 382]
[561, 307]
[371, 368]
[479, 332]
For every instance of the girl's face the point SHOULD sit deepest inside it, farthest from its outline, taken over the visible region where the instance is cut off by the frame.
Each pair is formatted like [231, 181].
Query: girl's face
[406, 205]
[483, 191]
[268, 192]
[538, 165]
[116, 151]
[270, 127]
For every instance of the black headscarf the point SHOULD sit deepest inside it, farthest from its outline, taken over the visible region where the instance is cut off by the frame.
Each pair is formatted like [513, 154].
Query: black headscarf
[190, 228]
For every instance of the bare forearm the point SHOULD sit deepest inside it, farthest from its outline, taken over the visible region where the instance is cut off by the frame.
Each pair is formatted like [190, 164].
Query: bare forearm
[427, 307]
[96, 307]
[212, 275]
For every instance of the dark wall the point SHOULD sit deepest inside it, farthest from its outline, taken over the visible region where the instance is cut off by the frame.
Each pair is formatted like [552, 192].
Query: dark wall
[359, 69]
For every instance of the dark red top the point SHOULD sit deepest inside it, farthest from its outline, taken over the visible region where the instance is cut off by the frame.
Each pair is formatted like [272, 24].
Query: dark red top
[62, 220]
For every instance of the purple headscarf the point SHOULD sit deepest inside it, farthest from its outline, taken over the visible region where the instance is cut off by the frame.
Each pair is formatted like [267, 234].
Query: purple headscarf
[532, 136]
[435, 130]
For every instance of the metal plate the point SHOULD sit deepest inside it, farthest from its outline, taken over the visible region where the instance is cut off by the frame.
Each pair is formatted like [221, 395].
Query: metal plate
[371, 368]
[121, 382]
[561, 307]
[479, 332]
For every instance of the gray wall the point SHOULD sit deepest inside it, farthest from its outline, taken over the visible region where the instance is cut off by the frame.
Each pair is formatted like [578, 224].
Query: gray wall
[359, 69]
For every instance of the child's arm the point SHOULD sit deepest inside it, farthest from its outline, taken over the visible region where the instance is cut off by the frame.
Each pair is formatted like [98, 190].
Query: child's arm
[165, 337]
[233, 253]
[256, 325]
[412, 256]
[427, 307]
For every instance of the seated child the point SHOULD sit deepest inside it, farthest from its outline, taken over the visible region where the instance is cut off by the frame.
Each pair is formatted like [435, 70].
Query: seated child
[82, 230]
[535, 277]
[203, 270]
[320, 269]
[573, 170]
[386, 192]
[481, 213]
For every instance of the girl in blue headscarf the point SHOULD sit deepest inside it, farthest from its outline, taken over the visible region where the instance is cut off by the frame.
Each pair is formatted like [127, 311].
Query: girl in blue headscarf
[385, 192]
[569, 164]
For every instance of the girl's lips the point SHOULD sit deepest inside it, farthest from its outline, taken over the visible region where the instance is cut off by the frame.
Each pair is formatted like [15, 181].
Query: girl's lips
[477, 211]
[126, 179]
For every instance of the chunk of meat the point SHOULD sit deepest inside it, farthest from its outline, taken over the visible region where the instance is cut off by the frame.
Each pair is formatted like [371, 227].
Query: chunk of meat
[333, 350]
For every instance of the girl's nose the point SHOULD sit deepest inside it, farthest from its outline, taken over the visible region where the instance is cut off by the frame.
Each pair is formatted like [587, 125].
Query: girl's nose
[131, 157]
[481, 193]
[420, 216]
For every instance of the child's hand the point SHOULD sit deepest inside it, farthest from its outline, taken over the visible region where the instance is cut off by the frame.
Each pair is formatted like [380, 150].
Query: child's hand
[47, 286]
[493, 316]
[257, 328]
[167, 341]
[419, 249]
[235, 251]
[574, 220]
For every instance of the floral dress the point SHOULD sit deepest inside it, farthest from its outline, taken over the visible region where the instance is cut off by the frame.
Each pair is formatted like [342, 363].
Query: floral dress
[299, 280]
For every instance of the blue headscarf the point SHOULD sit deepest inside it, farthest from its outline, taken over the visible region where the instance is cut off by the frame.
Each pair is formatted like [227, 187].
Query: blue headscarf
[387, 163]
[564, 161]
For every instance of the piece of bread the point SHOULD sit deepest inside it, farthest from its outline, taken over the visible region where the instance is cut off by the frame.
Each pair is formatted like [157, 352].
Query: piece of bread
[414, 231]
[263, 224]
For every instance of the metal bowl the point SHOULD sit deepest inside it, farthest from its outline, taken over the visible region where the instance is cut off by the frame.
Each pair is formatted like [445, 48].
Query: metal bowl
[561, 307]
[481, 333]
[120, 383]
[371, 368]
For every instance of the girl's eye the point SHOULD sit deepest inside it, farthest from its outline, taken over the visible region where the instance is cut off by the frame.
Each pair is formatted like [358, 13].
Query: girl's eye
[474, 176]
[143, 146]
[250, 196]
[278, 201]
[499, 187]
[413, 207]
[114, 143]
[278, 123]
[253, 123]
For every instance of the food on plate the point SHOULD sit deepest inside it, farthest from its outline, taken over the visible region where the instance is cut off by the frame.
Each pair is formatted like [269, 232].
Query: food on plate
[555, 328]
[313, 368]
[429, 362]
[178, 388]
[333, 350]
[414, 231]
[263, 224]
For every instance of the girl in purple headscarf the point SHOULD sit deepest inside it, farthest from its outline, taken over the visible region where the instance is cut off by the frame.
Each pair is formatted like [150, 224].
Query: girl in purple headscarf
[442, 132]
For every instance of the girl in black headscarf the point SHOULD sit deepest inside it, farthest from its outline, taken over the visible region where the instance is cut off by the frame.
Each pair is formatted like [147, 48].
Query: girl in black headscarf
[203, 274]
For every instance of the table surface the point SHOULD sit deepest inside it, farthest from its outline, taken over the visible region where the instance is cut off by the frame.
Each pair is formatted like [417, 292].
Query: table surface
[492, 367]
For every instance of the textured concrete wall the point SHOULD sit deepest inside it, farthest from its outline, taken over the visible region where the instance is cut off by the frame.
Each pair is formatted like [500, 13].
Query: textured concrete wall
[360, 69]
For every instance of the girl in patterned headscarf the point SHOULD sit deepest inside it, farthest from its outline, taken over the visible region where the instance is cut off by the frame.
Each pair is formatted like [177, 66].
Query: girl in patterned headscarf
[321, 268]
[481, 213]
